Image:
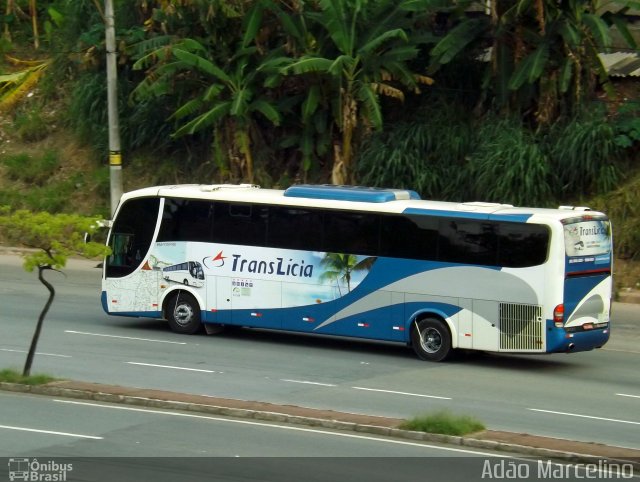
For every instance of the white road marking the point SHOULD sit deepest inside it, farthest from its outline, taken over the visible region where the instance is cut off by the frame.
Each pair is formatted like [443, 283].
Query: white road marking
[172, 367]
[283, 427]
[585, 416]
[49, 432]
[402, 393]
[308, 382]
[627, 395]
[37, 353]
[125, 337]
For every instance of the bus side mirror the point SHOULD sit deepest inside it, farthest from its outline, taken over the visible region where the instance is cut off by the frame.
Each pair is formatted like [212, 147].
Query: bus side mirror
[102, 226]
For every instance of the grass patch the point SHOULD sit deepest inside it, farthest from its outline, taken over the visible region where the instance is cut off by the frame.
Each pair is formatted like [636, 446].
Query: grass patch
[444, 422]
[32, 170]
[13, 376]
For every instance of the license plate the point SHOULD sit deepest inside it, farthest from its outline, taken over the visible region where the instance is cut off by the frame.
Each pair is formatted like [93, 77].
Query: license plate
[587, 326]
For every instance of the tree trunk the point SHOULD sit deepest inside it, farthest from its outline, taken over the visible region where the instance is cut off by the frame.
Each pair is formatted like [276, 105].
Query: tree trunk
[343, 170]
[33, 11]
[43, 313]
[245, 148]
[8, 11]
[540, 17]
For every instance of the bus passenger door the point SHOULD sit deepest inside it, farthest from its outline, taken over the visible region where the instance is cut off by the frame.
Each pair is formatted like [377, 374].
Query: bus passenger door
[221, 297]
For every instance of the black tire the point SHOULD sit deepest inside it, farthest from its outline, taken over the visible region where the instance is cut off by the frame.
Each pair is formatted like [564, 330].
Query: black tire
[183, 313]
[430, 339]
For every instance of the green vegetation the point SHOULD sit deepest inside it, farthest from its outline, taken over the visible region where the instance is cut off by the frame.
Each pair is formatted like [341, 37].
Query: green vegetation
[459, 103]
[444, 422]
[30, 169]
[498, 159]
[13, 376]
[623, 206]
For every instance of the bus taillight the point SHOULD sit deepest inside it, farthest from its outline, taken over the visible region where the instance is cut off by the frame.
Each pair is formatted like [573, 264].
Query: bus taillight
[558, 315]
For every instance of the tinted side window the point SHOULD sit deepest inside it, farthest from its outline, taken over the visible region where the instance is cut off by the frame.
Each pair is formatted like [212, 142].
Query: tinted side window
[409, 237]
[295, 228]
[351, 232]
[521, 245]
[186, 220]
[463, 241]
[240, 224]
[131, 236]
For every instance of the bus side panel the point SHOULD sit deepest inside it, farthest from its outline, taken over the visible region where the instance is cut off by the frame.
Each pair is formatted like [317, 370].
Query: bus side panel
[486, 334]
[135, 295]
[364, 322]
[215, 311]
[466, 322]
[256, 302]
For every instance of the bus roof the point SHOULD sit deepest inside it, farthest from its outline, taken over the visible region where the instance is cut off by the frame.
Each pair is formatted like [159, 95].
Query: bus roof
[356, 198]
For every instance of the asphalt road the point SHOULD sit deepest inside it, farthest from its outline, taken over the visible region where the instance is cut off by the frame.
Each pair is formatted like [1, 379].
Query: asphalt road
[104, 442]
[98, 441]
[592, 396]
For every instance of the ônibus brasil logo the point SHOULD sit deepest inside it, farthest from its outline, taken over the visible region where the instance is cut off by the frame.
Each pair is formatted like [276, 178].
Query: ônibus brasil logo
[216, 261]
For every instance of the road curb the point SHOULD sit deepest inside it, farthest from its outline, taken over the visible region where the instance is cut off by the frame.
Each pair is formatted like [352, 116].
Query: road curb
[509, 449]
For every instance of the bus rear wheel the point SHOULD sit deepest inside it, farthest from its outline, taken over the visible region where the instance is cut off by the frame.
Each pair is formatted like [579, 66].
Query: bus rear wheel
[430, 339]
[183, 314]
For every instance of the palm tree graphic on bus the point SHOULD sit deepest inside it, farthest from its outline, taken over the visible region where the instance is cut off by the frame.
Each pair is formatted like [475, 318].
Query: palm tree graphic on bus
[339, 268]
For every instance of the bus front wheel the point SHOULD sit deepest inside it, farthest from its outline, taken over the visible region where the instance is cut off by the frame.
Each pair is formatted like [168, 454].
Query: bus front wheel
[183, 313]
[430, 339]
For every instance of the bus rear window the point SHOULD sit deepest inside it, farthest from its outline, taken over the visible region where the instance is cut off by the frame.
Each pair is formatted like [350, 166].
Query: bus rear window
[587, 237]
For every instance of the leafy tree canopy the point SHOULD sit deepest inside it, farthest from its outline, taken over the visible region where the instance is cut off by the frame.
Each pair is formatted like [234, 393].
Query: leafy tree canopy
[54, 237]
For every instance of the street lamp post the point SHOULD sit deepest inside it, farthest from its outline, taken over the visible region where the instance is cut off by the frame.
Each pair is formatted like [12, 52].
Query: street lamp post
[115, 157]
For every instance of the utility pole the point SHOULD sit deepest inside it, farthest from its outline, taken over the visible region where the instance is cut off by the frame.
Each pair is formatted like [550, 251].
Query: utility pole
[115, 158]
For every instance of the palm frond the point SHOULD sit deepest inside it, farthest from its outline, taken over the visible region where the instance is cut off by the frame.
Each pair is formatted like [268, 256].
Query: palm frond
[253, 21]
[201, 64]
[240, 101]
[187, 109]
[374, 44]
[343, 63]
[204, 120]
[268, 110]
[566, 73]
[337, 22]
[309, 64]
[598, 28]
[311, 102]
[531, 68]
[13, 87]
[387, 90]
[371, 104]
[457, 39]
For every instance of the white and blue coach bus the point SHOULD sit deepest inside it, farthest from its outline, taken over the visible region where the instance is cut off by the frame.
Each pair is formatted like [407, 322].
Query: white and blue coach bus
[363, 262]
